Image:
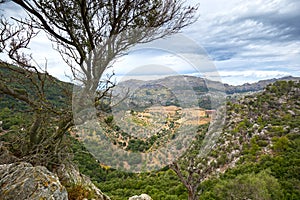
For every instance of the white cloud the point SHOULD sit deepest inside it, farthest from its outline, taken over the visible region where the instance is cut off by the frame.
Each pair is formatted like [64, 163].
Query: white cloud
[249, 36]
[246, 76]
[254, 73]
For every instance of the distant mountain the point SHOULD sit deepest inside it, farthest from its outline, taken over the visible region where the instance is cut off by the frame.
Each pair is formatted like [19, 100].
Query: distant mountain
[260, 85]
[184, 91]
[181, 90]
[197, 83]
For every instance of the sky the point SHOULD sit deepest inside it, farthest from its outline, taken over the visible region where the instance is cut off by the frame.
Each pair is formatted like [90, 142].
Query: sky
[232, 41]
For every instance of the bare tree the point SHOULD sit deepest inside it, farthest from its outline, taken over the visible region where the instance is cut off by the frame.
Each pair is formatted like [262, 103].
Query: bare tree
[209, 155]
[44, 140]
[89, 35]
[191, 168]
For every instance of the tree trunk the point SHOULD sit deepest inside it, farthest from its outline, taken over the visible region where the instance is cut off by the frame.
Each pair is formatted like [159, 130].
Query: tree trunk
[191, 193]
[33, 132]
[191, 196]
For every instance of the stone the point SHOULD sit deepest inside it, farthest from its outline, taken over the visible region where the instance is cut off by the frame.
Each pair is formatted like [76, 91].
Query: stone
[70, 176]
[141, 197]
[24, 181]
[292, 112]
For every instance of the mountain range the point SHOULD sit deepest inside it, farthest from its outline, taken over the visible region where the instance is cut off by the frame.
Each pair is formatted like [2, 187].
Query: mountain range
[180, 81]
[183, 91]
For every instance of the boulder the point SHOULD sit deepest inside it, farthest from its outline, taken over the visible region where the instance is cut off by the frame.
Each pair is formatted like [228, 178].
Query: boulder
[75, 182]
[30, 182]
[23, 181]
[141, 197]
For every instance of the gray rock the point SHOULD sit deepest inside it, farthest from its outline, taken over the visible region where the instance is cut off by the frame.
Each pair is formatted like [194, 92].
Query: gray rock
[69, 175]
[23, 181]
[141, 197]
[292, 112]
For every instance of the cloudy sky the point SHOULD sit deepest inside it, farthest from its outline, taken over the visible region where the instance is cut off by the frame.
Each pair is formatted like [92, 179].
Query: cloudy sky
[235, 41]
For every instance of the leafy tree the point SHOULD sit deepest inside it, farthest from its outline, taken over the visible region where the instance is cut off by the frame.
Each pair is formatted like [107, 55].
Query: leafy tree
[261, 186]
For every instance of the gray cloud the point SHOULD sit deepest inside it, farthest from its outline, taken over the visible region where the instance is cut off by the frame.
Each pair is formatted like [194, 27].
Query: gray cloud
[253, 35]
[281, 16]
[244, 38]
[268, 22]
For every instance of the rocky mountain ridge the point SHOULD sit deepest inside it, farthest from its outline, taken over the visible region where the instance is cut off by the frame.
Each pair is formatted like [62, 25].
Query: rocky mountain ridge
[185, 81]
[194, 82]
[181, 90]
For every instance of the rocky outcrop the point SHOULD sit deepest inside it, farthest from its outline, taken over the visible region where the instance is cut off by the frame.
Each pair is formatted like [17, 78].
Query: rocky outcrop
[141, 197]
[23, 181]
[73, 180]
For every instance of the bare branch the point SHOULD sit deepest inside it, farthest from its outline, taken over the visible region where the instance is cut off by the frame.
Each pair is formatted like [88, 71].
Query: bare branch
[105, 29]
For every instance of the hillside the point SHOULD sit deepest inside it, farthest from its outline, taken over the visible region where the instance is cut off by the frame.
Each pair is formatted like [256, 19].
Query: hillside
[260, 85]
[262, 131]
[258, 146]
[55, 90]
[15, 112]
[258, 150]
